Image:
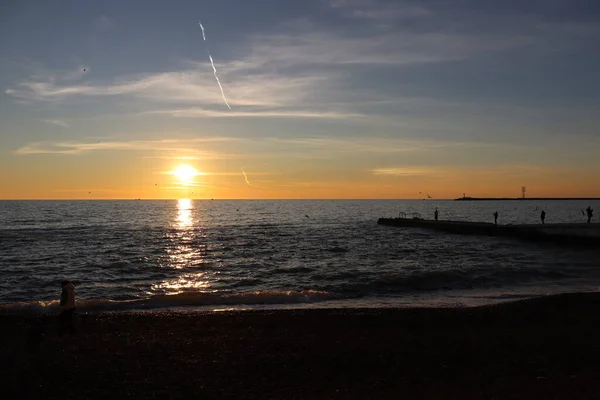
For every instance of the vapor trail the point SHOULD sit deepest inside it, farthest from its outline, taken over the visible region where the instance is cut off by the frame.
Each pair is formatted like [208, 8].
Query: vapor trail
[201, 27]
[246, 177]
[213, 66]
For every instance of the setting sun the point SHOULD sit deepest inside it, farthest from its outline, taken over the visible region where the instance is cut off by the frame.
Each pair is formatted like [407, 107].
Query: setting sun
[185, 174]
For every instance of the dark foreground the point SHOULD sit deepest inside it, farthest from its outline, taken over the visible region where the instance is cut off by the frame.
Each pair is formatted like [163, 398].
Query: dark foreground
[544, 348]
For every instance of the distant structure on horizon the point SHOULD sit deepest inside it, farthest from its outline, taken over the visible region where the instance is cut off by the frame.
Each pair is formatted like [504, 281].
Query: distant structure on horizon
[523, 192]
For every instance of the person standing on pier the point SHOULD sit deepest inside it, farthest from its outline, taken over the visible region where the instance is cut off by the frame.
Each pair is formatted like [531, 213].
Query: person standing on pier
[435, 214]
[590, 213]
[543, 216]
[496, 218]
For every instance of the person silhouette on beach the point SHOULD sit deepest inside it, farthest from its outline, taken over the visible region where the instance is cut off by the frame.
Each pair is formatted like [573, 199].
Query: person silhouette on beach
[67, 309]
[435, 214]
[543, 216]
[590, 213]
[496, 218]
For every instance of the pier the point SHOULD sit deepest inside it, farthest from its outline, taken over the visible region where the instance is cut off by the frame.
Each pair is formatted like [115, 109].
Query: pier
[577, 234]
[466, 198]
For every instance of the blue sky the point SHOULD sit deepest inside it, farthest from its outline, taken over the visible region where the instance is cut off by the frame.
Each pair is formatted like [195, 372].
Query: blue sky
[322, 93]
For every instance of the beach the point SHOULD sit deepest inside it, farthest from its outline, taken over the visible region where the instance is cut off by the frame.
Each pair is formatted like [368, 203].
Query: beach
[539, 348]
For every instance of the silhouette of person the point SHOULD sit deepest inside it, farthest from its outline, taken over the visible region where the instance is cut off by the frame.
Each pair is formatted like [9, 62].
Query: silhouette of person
[590, 214]
[543, 216]
[496, 218]
[67, 308]
[435, 214]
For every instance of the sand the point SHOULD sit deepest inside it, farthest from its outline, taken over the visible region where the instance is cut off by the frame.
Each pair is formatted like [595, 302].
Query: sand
[545, 348]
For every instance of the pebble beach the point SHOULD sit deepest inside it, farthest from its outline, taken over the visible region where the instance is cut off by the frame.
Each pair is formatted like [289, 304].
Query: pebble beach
[538, 348]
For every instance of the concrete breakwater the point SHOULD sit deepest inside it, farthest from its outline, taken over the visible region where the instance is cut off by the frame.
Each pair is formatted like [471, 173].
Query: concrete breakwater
[568, 234]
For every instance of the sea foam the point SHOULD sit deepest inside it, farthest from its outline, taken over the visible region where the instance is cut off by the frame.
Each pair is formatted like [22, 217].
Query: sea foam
[187, 299]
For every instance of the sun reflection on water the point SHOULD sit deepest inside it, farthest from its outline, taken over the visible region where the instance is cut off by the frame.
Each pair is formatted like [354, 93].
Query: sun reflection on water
[184, 248]
[186, 282]
[184, 213]
[181, 252]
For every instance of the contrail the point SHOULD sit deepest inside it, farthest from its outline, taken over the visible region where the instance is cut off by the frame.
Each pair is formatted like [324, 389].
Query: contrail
[214, 69]
[201, 27]
[245, 177]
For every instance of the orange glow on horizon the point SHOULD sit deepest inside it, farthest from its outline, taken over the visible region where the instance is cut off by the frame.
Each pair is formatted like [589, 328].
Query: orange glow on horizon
[134, 180]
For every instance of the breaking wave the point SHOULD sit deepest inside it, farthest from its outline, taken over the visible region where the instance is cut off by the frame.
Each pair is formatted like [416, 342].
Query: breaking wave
[188, 299]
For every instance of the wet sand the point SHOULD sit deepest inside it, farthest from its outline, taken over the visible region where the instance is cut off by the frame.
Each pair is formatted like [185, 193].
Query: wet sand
[545, 348]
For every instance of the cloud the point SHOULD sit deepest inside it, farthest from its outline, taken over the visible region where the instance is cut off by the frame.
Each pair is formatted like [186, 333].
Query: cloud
[446, 171]
[404, 171]
[294, 66]
[322, 48]
[255, 95]
[254, 113]
[57, 122]
[187, 146]
[307, 70]
[188, 86]
[375, 144]
[250, 148]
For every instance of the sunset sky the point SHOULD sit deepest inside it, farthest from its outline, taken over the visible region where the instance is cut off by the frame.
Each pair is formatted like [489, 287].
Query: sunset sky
[329, 99]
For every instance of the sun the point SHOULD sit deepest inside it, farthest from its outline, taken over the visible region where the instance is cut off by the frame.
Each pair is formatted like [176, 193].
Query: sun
[185, 174]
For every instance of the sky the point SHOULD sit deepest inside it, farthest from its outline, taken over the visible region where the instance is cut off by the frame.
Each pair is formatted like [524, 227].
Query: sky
[321, 99]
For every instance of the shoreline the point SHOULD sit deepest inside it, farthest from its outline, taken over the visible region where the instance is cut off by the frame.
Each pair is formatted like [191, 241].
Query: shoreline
[196, 302]
[544, 347]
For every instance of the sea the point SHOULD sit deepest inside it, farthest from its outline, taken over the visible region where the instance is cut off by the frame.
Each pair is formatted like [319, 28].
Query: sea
[279, 254]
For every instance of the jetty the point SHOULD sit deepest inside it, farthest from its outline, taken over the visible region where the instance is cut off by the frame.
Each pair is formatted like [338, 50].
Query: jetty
[574, 234]
[466, 198]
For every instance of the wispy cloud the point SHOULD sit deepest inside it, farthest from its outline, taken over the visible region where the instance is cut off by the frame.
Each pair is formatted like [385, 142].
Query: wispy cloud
[404, 171]
[188, 146]
[266, 71]
[57, 122]
[376, 144]
[392, 48]
[373, 32]
[254, 113]
[304, 70]
[446, 171]
[188, 86]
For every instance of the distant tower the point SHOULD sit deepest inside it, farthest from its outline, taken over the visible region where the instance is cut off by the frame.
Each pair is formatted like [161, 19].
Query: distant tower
[523, 190]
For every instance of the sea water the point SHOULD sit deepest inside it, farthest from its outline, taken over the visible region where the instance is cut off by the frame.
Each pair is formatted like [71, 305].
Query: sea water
[222, 254]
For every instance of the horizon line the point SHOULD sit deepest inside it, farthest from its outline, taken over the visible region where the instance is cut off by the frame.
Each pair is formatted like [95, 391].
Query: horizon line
[315, 198]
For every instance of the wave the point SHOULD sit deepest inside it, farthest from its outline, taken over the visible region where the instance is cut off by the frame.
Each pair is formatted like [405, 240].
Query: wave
[429, 281]
[293, 270]
[187, 299]
[337, 249]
